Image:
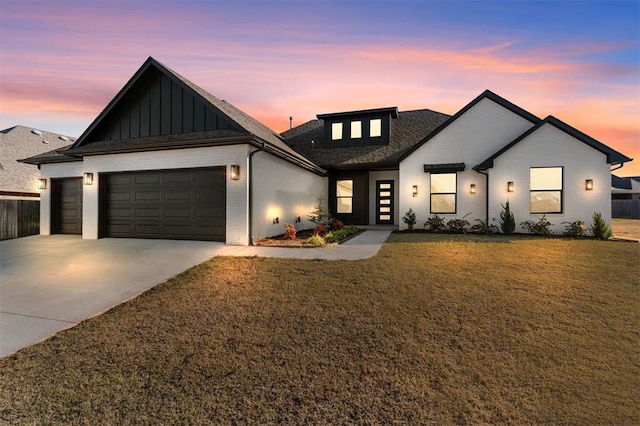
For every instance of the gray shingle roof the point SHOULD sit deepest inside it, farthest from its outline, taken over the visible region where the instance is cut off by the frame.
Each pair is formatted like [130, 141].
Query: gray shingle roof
[407, 130]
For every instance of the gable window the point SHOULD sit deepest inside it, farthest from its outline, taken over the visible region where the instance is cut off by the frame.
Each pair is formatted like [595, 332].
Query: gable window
[356, 129]
[443, 192]
[336, 131]
[546, 190]
[344, 195]
[375, 128]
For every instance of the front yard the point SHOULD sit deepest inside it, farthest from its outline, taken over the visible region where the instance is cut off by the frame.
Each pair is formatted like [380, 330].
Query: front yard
[477, 330]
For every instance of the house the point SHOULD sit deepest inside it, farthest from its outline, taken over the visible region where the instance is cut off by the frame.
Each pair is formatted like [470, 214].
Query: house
[19, 180]
[625, 188]
[166, 159]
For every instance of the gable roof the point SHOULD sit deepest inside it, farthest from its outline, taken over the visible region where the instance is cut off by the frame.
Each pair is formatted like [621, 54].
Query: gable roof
[487, 94]
[229, 125]
[406, 130]
[613, 156]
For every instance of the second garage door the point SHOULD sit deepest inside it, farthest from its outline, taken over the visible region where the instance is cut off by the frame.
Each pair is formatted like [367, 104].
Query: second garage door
[188, 204]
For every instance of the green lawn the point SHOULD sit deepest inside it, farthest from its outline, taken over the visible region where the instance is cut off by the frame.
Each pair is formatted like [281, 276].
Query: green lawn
[478, 330]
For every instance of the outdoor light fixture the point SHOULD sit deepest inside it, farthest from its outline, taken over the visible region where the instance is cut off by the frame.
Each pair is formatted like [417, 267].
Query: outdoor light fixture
[472, 188]
[42, 184]
[298, 219]
[509, 186]
[235, 172]
[88, 178]
[588, 184]
[276, 220]
[415, 190]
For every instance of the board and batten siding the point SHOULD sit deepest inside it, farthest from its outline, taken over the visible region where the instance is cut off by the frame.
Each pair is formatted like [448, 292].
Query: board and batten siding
[54, 171]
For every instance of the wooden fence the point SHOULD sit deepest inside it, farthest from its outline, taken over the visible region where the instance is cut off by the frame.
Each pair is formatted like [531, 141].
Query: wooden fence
[628, 209]
[19, 218]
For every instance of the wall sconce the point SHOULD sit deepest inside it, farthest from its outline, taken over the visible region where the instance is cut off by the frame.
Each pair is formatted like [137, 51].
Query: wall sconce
[472, 188]
[298, 220]
[509, 186]
[42, 184]
[235, 172]
[276, 220]
[414, 191]
[88, 178]
[588, 184]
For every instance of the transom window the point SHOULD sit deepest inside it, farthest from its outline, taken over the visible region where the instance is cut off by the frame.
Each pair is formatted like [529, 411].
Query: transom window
[546, 190]
[336, 131]
[443, 192]
[344, 195]
[375, 127]
[356, 129]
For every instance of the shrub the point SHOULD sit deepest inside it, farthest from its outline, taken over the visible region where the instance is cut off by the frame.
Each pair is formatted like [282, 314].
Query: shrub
[484, 227]
[435, 224]
[320, 215]
[458, 226]
[599, 227]
[541, 227]
[410, 219]
[507, 220]
[335, 236]
[336, 224]
[316, 240]
[577, 228]
[289, 231]
[320, 230]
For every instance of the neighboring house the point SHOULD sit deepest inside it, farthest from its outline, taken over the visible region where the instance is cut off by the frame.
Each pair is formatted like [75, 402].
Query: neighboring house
[625, 188]
[166, 159]
[19, 180]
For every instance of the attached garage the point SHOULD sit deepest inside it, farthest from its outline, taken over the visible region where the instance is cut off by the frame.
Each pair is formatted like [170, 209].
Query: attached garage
[66, 206]
[184, 204]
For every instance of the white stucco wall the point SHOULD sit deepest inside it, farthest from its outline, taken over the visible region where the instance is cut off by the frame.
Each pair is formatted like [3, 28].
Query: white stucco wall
[49, 171]
[384, 175]
[473, 137]
[284, 190]
[551, 147]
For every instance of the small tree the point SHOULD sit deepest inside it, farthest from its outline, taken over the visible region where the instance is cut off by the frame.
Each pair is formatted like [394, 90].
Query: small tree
[599, 227]
[507, 220]
[320, 215]
[410, 219]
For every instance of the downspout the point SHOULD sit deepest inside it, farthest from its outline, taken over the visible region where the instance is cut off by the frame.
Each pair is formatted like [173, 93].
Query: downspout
[251, 192]
[486, 178]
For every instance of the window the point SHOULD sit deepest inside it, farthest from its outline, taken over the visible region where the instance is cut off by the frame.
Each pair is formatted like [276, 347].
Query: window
[344, 195]
[546, 190]
[375, 127]
[443, 192]
[336, 131]
[356, 129]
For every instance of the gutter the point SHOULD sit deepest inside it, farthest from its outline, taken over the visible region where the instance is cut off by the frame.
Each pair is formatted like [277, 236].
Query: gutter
[254, 152]
[619, 167]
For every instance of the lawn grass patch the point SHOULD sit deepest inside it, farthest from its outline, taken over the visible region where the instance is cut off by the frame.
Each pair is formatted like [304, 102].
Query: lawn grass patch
[434, 329]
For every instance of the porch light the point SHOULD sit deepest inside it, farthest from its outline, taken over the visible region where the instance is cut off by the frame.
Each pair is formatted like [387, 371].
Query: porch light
[415, 190]
[42, 184]
[588, 184]
[276, 220]
[472, 188]
[88, 178]
[509, 186]
[235, 172]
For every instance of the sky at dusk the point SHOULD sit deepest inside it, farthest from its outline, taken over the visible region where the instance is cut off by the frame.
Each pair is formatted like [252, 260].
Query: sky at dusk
[62, 61]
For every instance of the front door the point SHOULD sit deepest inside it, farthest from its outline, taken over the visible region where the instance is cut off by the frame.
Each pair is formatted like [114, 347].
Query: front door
[384, 202]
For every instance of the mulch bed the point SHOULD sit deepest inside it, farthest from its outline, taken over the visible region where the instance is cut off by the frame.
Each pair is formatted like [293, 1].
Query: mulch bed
[280, 241]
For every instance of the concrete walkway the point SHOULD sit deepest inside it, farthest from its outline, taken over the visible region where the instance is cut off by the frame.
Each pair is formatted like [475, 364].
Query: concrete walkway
[50, 283]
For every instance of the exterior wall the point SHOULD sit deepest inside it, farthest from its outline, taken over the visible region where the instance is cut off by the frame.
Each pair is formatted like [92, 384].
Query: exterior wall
[49, 171]
[282, 190]
[548, 147]
[237, 191]
[384, 175]
[472, 138]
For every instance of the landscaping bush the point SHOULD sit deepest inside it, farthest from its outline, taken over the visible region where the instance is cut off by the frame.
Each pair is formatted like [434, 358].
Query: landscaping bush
[316, 240]
[435, 224]
[599, 227]
[320, 230]
[577, 228]
[336, 236]
[541, 227]
[507, 220]
[289, 231]
[410, 219]
[336, 224]
[484, 227]
[458, 226]
[320, 215]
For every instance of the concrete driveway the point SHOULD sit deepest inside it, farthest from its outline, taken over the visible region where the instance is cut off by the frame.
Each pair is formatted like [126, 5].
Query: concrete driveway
[50, 283]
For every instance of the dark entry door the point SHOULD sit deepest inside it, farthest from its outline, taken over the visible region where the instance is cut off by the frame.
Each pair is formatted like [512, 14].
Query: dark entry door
[66, 206]
[384, 202]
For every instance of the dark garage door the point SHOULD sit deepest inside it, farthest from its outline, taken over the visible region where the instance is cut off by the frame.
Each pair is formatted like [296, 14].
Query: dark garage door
[66, 206]
[187, 204]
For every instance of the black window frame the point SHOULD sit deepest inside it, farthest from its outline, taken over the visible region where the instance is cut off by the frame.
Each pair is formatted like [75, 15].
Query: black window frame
[561, 190]
[455, 194]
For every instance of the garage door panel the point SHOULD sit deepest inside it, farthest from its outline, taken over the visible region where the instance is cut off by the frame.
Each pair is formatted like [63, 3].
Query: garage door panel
[147, 195]
[177, 195]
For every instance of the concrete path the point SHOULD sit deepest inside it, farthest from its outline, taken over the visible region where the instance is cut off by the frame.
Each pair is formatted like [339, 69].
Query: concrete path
[50, 283]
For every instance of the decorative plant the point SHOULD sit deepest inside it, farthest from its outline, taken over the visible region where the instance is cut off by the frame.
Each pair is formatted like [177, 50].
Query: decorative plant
[336, 224]
[599, 227]
[577, 228]
[335, 236]
[484, 227]
[541, 227]
[458, 226]
[320, 215]
[320, 230]
[507, 220]
[410, 219]
[316, 240]
[435, 224]
[289, 231]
